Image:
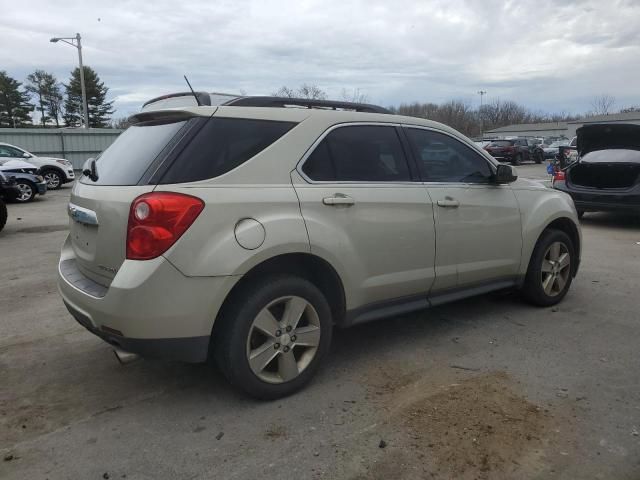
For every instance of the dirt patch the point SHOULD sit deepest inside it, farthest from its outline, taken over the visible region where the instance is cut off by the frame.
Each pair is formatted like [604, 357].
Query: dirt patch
[478, 428]
[474, 427]
[275, 432]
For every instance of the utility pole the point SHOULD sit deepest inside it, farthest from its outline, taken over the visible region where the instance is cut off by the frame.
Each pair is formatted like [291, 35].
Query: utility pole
[482, 93]
[78, 45]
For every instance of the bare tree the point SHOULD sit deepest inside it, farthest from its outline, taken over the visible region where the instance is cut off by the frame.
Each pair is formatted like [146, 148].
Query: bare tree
[603, 104]
[354, 95]
[311, 92]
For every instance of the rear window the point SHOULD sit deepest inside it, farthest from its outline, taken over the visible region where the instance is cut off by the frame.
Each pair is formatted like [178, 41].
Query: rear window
[129, 157]
[222, 145]
[502, 143]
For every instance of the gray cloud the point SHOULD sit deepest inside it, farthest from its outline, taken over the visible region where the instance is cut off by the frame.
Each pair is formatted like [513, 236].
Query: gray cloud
[548, 54]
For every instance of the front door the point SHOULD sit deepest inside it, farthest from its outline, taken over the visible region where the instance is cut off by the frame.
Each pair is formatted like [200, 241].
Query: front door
[478, 226]
[367, 215]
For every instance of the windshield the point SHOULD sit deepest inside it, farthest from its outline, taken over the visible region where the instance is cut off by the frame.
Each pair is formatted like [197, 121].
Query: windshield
[502, 143]
[562, 143]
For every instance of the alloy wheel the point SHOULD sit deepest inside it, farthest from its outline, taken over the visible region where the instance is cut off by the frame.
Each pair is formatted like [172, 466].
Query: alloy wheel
[26, 192]
[556, 268]
[283, 339]
[52, 179]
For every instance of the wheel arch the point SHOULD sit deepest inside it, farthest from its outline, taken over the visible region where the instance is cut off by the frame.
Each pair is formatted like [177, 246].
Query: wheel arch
[568, 226]
[305, 265]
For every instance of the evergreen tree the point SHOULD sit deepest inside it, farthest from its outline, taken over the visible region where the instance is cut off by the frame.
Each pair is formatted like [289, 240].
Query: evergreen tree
[14, 103]
[99, 109]
[37, 83]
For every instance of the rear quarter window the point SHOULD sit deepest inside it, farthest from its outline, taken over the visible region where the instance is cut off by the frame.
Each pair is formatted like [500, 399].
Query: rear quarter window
[221, 145]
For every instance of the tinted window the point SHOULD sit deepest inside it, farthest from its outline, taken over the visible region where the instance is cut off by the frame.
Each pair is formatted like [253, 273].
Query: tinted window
[359, 154]
[442, 158]
[221, 145]
[7, 151]
[126, 159]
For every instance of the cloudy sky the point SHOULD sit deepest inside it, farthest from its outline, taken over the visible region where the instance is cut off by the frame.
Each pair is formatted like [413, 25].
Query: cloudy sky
[552, 55]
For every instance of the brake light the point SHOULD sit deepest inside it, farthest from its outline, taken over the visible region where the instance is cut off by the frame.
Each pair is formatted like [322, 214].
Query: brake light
[559, 176]
[157, 220]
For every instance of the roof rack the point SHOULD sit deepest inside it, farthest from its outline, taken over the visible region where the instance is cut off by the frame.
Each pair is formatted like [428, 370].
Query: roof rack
[303, 102]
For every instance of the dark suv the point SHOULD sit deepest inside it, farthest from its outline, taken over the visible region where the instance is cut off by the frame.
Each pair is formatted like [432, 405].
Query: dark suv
[514, 151]
[8, 192]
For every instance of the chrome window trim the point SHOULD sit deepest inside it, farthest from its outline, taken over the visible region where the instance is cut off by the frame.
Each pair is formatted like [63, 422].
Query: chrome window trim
[313, 146]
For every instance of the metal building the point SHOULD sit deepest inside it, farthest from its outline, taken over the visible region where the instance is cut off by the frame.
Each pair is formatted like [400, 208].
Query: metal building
[74, 144]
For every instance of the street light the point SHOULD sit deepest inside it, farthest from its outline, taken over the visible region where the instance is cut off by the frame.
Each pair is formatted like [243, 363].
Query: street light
[482, 93]
[78, 45]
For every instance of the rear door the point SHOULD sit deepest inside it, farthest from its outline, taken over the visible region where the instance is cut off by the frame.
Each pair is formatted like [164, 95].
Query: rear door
[478, 229]
[367, 214]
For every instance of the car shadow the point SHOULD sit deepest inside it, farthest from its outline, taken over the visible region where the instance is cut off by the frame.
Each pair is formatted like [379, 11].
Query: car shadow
[622, 220]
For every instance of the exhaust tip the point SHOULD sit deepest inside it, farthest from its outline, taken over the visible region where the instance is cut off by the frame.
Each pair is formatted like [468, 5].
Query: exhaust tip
[125, 357]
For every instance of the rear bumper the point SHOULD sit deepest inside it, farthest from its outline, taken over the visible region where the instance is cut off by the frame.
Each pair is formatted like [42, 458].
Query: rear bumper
[188, 349]
[602, 201]
[150, 308]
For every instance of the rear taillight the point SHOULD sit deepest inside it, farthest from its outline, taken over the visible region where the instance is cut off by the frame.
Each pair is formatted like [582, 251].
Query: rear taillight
[157, 220]
[559, 176]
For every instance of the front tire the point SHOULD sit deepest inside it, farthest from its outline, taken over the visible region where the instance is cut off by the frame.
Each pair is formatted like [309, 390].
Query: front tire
[54, 179]
[550, 269]
[274, 336]
[27, 191]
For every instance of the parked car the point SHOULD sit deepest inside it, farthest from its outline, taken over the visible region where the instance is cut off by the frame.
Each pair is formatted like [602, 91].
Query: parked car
[262, 228]
[549, 152]
[514, 151]
[56, 171]
[28, 182]
[606, 175]
[8, 192]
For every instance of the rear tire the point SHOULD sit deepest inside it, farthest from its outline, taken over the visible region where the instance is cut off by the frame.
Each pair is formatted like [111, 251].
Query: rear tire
[27, 191]
[550, 269]
[539, 157]
[3, 214]
[264, 350]
[517, 160]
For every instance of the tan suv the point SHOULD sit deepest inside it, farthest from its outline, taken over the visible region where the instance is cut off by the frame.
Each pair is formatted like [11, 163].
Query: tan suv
[246, 232]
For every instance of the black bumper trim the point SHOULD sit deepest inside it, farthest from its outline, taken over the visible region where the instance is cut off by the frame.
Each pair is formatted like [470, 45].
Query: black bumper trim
[187, 349]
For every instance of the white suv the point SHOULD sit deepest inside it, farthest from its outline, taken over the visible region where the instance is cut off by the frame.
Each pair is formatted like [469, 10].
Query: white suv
[56, 171]
[245, 232]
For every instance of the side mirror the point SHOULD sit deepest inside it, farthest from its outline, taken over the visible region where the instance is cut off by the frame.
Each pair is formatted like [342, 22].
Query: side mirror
[505, 174]
[26, 155]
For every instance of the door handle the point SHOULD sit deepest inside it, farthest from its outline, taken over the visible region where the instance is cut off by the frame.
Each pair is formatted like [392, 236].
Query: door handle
[449, 202]
[338, 199]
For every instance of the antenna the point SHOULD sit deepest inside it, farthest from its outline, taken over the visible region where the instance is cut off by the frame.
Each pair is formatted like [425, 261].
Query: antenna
[191, 88]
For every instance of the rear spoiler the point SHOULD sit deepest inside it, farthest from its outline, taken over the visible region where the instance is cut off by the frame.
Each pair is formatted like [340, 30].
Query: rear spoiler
[162, 116]
[203, 97]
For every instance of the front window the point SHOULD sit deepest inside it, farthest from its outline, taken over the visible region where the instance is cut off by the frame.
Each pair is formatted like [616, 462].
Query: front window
[442, 158]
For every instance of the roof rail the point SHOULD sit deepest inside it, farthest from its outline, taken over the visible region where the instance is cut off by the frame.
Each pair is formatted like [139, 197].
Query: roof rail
[304, 102]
